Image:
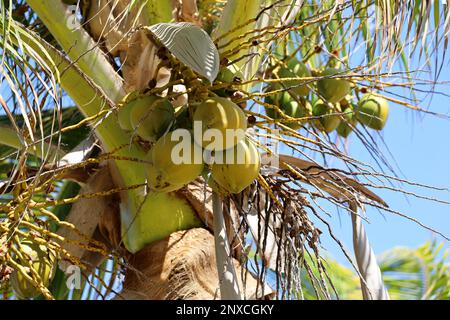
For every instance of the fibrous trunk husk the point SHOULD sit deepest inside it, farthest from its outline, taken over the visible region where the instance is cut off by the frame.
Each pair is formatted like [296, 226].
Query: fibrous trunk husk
[183, 266]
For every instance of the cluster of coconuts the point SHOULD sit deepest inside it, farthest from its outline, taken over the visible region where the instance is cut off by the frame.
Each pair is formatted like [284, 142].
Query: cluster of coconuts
[330, 109]
[172, 163]
[41, 261]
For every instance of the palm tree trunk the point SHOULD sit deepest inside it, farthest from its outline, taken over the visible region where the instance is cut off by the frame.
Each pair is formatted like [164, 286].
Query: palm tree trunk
[182, 266]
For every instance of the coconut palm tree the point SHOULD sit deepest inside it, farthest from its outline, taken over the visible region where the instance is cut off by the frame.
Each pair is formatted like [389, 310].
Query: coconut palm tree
[79, 188]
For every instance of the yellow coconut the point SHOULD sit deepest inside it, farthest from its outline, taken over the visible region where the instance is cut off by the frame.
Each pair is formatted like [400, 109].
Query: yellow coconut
[151, 117]
[173, 162]
[227, 121]
[235, 169]
[43, 263]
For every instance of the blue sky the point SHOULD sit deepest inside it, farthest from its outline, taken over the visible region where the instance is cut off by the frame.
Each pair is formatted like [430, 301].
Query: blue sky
[420, 148]
[420, 145]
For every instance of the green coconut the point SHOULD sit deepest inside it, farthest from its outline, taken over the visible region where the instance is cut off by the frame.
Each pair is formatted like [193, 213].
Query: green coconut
[373, 111]
[297, 110]
[348, 122]
[152, 117]
[328, 120]
[278, 99]
[333, 90]
[124, 114]
[43, 263]
[295, 69]
[230, 74]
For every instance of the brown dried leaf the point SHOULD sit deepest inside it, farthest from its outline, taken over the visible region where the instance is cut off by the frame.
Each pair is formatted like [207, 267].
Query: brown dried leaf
[86, 214]
[186, 10]
[111, 21]
[140, 62]
[332, 182]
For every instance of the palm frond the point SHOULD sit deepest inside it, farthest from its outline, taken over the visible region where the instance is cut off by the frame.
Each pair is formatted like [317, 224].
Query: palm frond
[417, 274]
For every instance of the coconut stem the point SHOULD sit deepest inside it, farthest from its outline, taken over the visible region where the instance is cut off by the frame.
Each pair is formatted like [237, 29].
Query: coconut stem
[229, 287]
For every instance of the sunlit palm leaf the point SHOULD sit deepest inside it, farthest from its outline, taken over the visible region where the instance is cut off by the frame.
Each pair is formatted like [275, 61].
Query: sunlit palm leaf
[421, 274]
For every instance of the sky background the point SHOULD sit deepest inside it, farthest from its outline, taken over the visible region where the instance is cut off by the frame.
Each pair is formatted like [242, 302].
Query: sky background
[420, 145]
[420, 148]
